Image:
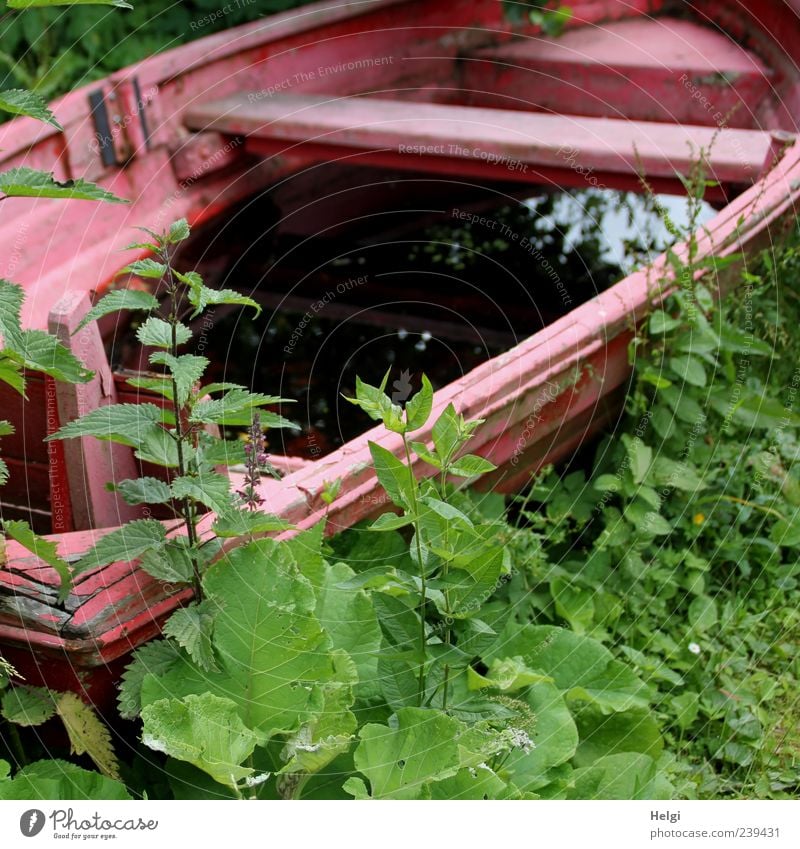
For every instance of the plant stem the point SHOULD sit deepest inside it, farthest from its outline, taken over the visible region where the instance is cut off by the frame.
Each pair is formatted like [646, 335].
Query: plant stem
[448, 633]
[423, 579]
[180, 437]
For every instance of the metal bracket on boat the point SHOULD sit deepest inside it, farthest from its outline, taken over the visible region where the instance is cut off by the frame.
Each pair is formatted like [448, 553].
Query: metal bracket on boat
[120, 122]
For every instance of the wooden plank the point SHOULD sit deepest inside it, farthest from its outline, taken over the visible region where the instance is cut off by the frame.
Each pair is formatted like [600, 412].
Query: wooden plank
[91, 463]
[496, 143]
[653, 69]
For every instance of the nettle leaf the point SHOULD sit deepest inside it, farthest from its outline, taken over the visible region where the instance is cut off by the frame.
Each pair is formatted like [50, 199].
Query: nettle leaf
[172, 563]
[20, 101]
[60, 780]
[418, 408]
[87, 734]
[209, 488]
[160, 385]
[274, 657]
[393, 475]
[236, 408]
[203, 730]
[37, 350]
[178, 231]
[11, 298]
[141, 490]
[186, 370]
[116, 300]
[27, 706]
[158, 446]
[239, 523]
[43, 549]
[11, 373]
[158, 333]
[470, 465]
[191, 627]
[3, 472]
[128, 424]
[29, 183]
[201, 296]
[125, 544]
[153, 658]
[30, 4]
[150, 269]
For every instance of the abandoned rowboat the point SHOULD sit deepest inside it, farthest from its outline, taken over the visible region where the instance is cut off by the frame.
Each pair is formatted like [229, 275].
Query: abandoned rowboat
[448, 89]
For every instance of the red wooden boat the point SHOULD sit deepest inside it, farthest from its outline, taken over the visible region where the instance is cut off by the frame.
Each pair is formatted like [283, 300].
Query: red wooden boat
[450, 89]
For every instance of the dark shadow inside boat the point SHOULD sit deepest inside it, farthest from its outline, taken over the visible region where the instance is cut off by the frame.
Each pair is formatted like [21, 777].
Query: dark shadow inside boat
[360, 270]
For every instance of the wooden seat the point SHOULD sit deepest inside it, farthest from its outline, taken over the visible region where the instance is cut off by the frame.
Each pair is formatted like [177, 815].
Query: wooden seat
[484, 143]
[654, 69]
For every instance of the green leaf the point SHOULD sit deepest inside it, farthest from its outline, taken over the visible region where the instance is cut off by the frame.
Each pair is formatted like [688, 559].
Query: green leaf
[418, 408]
[573, 603]
[158, 333]
[172, 563]
[762, 412]
[11, 298]
[661, 322]
[236, 408]
[703, 613]
[240, 523]
[37, 350]
[582, 668]
[679, 475]
[125, 544]
[43, 549]
[20, 101]
[201, 296]
[60, 780]
[685, 708]
[416, 747]
[11, 373]
[149, 269]
[87, 734]
[690, 369]
[470, 465]
[639, 456]
[178, 231]
[191, 627]
[28, 183]
[275, 659]
[155, 657]
[391, 522]
[348, 617]
[142, 490]
[424, 453]
[186, 370]
[209, 488]
[627, 731]
[119, 299]
[203, 730]
[27, 706]
[447, 433]
[393, 475]
[29, 4]
[378, 406]
[507, 675]
[128, 424]
[623, 776]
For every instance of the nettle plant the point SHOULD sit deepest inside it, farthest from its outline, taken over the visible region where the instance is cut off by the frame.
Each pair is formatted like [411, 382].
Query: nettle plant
[379, 666]
[180, 436]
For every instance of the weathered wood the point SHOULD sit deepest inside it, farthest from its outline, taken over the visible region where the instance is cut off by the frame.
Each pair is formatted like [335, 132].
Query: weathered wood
[493, 143]
[90, 463]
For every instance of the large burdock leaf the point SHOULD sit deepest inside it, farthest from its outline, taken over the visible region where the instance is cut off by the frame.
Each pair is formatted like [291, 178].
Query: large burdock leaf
[581, 667]
[275, 659]
[204, 731]
[56, 779]
[625, 776]
[418, 747]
